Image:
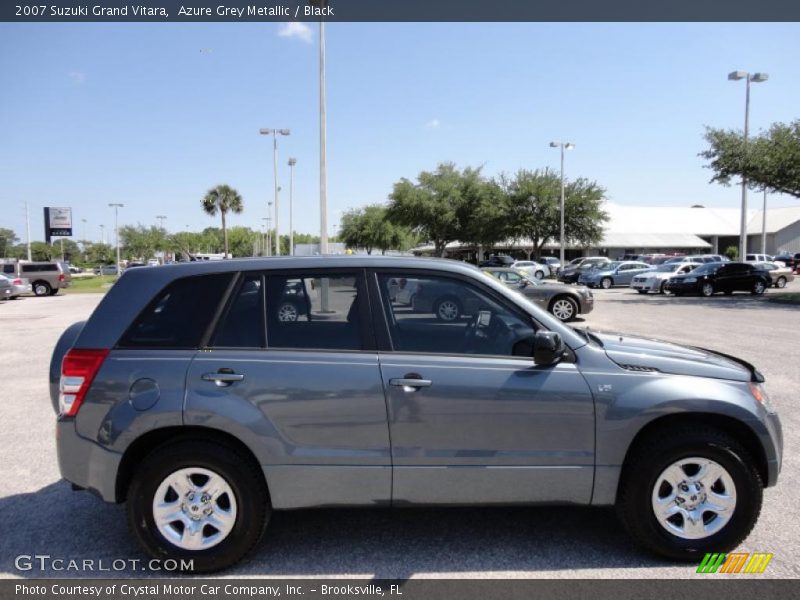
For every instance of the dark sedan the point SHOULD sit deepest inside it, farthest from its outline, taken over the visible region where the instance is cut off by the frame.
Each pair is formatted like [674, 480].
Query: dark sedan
[730, 277]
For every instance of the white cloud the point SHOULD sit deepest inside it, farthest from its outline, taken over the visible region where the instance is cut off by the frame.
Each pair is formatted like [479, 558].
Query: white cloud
[433, 124]
[77, 77]
[297, 30]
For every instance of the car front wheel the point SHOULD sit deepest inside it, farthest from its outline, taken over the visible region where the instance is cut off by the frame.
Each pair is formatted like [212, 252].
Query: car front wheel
[198, 501]
[781, 283]
[539, 274]
[42, 288]
[606, 283]
[564, 308]
[759, 288]
[707, 290]
[690, 492]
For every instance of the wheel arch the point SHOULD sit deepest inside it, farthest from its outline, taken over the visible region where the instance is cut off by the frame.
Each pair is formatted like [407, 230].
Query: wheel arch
[661, 426]
[146, 443]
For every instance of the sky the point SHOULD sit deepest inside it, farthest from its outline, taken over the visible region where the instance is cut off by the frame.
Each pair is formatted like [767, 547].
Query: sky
[153, 115]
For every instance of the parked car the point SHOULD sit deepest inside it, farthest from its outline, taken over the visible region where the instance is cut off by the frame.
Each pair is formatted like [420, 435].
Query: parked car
[184, 397]
[46, 278]
[536, 269]
[498, 260]
[779, 275]
[790, 260]
[19, 286]
[699, 258]
[564, 302]
[614, 273]
[710, 278]
[656, 279]
[152, 262]
[6, 289]
[576, 267]
[758, 258]
[106, 270]
[552, 262]
[402, 290]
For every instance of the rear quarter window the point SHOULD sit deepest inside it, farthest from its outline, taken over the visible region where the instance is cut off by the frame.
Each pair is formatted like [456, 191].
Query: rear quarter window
[179, 316]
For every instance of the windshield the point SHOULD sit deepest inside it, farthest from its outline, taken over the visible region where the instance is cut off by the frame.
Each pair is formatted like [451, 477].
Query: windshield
[667, 268]
[609, 266]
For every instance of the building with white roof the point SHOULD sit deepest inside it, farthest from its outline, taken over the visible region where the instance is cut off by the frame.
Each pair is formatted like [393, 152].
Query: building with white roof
[667, 229]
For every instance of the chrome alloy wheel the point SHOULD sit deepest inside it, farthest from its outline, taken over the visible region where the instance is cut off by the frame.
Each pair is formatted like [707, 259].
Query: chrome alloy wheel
[563, 309]
[694, 498]
[194, 508]
[759, 288]
[287, 313]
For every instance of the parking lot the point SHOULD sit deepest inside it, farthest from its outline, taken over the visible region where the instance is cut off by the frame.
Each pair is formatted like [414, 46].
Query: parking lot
[41, 515]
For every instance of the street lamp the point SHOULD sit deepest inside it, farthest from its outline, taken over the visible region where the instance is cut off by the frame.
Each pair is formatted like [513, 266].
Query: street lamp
[292, 163]
[116, 208]
[161, 219]
[269, 229]
[102, 234]
[275, 133]
[84, 233]
[563, 146]
[749, 78]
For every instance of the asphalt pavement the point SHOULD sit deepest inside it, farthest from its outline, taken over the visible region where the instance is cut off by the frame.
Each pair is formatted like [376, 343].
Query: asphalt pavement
[41, 515]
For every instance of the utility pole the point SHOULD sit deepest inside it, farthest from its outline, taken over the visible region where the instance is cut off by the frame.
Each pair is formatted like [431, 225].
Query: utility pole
[28, 227]
[292, 163]
[116, 207]
[161, 219]
[274, 133]
[323, 158]
[563, 146]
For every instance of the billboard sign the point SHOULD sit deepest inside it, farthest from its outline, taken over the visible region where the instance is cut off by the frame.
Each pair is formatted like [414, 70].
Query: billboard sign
[57, 222]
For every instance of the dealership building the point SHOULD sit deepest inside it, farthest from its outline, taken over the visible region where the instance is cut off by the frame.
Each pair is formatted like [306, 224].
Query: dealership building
[663, 229]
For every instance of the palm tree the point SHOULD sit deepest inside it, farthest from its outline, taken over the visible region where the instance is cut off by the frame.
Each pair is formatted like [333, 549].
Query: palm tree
[222, 198]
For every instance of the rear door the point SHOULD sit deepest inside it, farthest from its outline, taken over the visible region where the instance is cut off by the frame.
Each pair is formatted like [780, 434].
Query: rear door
[472, 420]
[292, 371]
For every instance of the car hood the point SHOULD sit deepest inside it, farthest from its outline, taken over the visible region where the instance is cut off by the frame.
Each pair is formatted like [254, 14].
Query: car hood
[643, 354]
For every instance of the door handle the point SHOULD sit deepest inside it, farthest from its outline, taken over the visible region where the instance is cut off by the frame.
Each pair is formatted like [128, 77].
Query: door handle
[222, 379]
[410, 384]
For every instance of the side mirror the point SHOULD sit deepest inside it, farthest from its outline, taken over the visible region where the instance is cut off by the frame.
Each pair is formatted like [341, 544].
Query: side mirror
[548, 348]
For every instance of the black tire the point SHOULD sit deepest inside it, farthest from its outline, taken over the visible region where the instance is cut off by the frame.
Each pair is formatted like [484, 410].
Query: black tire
[759, 287]
[448, 309]
[641, 472]
[539, 275]
[642, 291]
[606, 283]
[781, 283]
[556, 304]
[662, 289]
[707, 289]
[238, 471]
[54, 291]
[41, 288]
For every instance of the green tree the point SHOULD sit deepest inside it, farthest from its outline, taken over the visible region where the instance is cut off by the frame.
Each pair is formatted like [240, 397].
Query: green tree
[7, 241]
[430, 206]
[769, 161]
[370, 228]
[485, 214]
[732, 252]
[140, 242]
[43, 251]
[99, 254]
[222, 199]
[534, 199]
[241, 240]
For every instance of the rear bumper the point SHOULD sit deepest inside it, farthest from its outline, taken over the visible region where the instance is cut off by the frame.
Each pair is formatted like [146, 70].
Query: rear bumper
[85, 463]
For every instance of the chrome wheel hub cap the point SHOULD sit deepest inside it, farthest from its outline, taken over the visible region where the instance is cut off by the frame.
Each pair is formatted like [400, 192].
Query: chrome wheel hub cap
[448, 311]
[194, 508]
[286, 313]
[694, 498]
[562, 309]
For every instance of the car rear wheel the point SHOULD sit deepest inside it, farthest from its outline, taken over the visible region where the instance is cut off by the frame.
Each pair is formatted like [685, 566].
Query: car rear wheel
[539, 274]
[287, 312]
[707, 289]
[690, 492]
[781, 283]
[606, 283]
[564, 308]
[662, 289]
[198, 501]
[42, 288]
[759, 288]
[447, 309]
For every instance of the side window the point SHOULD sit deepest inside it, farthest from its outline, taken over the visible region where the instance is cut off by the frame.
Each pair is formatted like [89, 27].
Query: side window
[8, 268]
[450, 316]
[315, 312]
[243, 323]
[179, 315]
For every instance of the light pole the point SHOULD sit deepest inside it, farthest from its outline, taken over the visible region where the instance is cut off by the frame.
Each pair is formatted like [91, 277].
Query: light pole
[161, 219]
[269, 229]
[102, 234]
[275, 133]
[754, 78]
[84, 233]
[116, 207]
[764, 224]
[292, 163]
[563, 146]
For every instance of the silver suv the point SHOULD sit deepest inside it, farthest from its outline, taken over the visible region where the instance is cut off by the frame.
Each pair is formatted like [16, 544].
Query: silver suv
[191, 396]
[46, 278]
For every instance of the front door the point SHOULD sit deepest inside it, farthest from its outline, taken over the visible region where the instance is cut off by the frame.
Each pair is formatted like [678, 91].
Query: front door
[472, 420]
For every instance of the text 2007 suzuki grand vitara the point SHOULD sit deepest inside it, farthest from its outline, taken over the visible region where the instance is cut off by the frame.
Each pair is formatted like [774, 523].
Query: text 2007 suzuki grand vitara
[207, 395]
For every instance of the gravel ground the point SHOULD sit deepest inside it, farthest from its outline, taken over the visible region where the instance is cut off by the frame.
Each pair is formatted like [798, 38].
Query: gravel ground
[41, 515]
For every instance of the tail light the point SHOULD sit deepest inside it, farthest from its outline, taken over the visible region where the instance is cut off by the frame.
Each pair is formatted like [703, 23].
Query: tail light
[17, 282]
[61, 277]
[77, 372]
